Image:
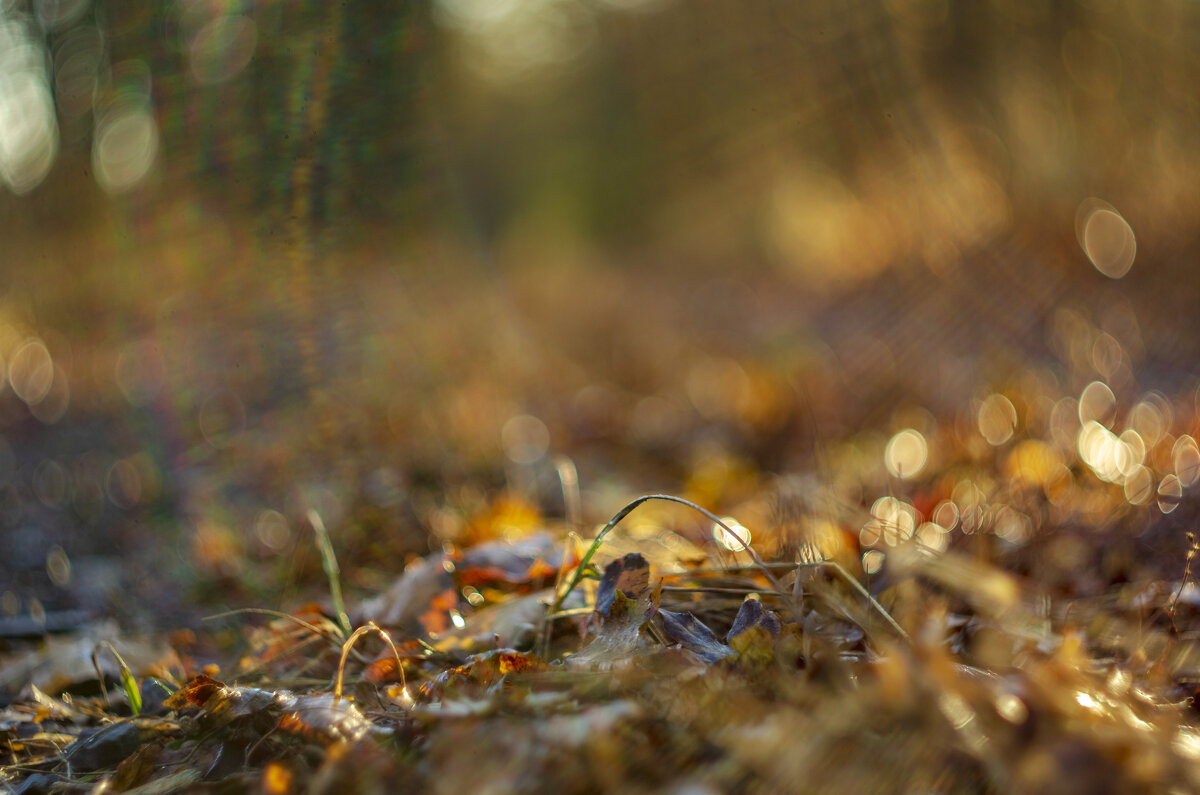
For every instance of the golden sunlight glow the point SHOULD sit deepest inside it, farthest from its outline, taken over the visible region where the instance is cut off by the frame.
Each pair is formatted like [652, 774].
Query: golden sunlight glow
[906, 454]
[1033, 462]
[997, 419]
[1011, 708]
[872, 561]
[946, 515]
[1186, 457]
[1103, 451]
[933, 536]
[730, 540]
[1187, 743]
[1139, 486]
[1097, 404]
[892, 521]
[1151, 418]
[1169, 493]
[971, 502]
[1013, 526]
[1106, 238]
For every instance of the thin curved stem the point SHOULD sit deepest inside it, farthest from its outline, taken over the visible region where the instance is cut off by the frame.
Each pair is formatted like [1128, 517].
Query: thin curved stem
[759, 563]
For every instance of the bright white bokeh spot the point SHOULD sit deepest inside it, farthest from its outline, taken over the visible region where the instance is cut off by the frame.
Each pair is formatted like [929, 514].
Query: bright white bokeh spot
[1106, 238]
[125, 148]
[997, 419]
[1104, 452]
[872, 561]
[731, 540]
[28, 127]
[933, 536]
[1136, 449]
[893, 521]
[905, 454]
[1186, 459]
[525, 439]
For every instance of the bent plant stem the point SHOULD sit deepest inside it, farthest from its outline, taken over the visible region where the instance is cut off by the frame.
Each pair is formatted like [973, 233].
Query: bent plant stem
[370, 626]
[759, 563]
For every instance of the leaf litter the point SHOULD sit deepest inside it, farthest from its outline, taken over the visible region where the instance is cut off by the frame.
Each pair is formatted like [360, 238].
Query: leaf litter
[760, 675]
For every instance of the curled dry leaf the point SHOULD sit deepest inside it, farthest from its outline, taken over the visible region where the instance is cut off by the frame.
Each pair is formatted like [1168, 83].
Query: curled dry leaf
[489, 667]
[420, 600]
[222, 704]
[629, 574]
[324, 718]
[693, 635]
[753, 614]
[619, 641]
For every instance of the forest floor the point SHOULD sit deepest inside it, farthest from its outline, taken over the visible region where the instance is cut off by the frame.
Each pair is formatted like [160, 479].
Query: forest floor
[382, 532]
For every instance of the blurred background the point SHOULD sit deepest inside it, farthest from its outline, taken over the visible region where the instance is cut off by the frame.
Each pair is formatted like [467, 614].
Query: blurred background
[404, 265]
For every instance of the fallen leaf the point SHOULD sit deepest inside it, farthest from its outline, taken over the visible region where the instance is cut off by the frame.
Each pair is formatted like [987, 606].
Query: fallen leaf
[514, 623]
[693, 635]
[420, 601]
[619, 639]
[137, 768]
[629, 574]
[753, 614]
[488, 667]
[222, 704]
[536, 558]
[325, 718]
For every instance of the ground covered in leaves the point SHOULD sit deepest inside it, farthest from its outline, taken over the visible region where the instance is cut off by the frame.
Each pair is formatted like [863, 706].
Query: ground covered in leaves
[668, 649]
[908, 581]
